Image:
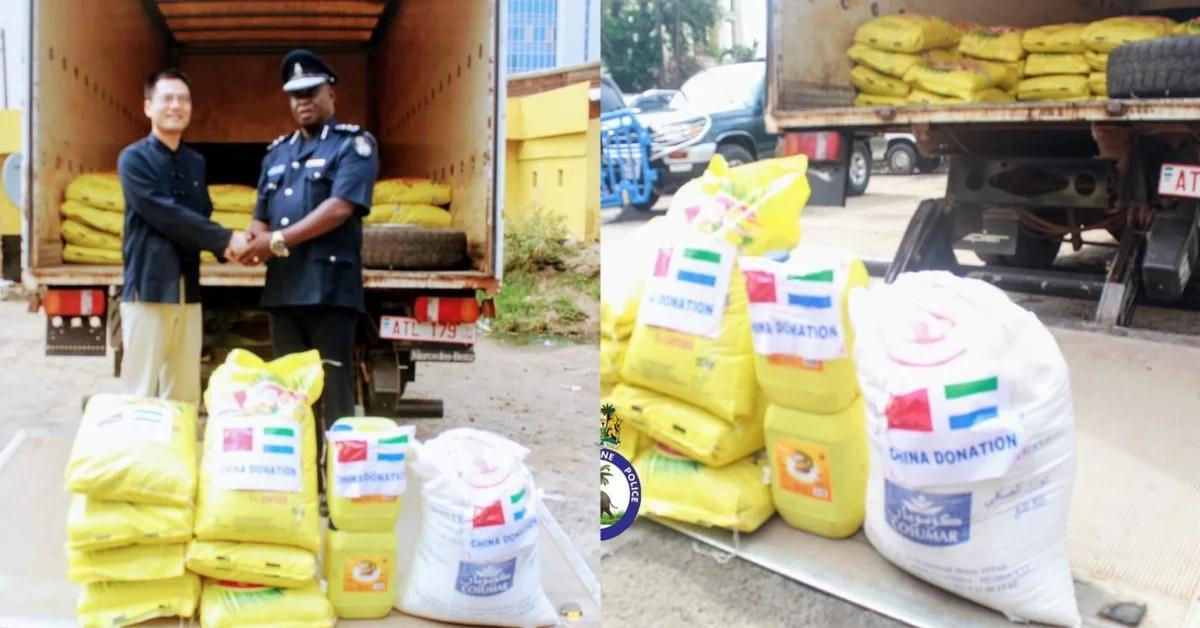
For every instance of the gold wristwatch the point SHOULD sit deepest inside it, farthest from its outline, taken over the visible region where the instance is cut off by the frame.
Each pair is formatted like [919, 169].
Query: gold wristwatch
[278, 248]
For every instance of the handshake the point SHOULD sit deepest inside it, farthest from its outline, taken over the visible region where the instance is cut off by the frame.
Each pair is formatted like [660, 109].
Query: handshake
[248, 248]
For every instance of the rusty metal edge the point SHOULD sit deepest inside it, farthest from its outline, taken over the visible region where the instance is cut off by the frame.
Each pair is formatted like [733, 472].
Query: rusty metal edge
[253, 277]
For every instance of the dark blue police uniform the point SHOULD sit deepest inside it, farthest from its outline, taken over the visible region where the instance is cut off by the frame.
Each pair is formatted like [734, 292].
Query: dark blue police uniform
[167, 224]
[315, 295]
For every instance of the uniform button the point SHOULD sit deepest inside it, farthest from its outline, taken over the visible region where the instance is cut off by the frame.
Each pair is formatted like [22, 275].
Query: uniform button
[287, 192]
[295, 164]
[333, 258]
[316, 175]
[284, 221]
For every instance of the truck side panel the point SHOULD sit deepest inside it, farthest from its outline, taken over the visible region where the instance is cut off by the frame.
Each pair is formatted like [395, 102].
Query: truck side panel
[89, 60]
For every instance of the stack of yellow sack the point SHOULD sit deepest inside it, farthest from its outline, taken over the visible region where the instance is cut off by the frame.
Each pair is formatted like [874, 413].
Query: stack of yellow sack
[257, 519]
[93, 219]
[132, 471]
[233, 208]
[687, 381]
[888, 50]
[814, 421]
[408, 201]
[998, 50]
[1059, 63]
[1104, 36]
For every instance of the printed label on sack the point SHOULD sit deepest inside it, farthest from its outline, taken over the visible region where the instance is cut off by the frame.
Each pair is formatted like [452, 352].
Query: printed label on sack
[371, 463]
[803, 468]
[366, 573]
[504, 526]
[485, 579]
[258, 453]
[795, 311]
[140, 423]
[688, 289]
[953, 433]
[928, 518]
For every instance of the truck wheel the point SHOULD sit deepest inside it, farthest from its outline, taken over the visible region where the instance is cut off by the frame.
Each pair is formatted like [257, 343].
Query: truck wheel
[926, 165]
[735, 154]
[1168, 67]
[649, 204]
[901, 158]
[858, 172]
[405, 247]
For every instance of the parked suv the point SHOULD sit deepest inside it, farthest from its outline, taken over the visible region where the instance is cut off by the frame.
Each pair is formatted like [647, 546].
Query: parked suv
[899, 154]
[718, 111]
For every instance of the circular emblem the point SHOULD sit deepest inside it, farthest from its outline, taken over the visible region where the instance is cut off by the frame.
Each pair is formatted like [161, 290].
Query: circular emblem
[620, 494]
[362, 146]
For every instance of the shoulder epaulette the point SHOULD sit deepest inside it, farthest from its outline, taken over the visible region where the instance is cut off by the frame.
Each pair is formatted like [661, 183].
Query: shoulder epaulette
[347, 128]
[277, 142]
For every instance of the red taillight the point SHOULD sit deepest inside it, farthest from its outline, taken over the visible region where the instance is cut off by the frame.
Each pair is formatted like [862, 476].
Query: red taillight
[446, 309]
[816, 145]
[74, 302]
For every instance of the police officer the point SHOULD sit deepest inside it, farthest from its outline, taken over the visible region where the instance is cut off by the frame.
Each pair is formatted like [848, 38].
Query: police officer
[314, 190]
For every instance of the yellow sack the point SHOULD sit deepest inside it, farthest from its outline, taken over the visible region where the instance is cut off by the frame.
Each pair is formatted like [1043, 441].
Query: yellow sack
[135, 449]
[736, 496]
[74, 254]
[236, 605]
[800, 324]
[409, 190]
[1105, 35]
[82, 235]
[755, 207]
[230, 197]
[106, 221]
[232, 220]
[869, 81]
[1097, 61]
[1054, 88]
[253, 563]
[259, 469]
[616, 433]
[108, 604]
[1190, 27]
[1043, 64]
[134, 562]
[942, 55]
[93, 524]
[1098, 83]
[687, 429]
[98, 189]
[612, 357]
[617, 317]
[991, 94]
[868, 100]
[895, 64]
[997, 43]
[963, 79]
[716, 374]
[247, 382]
[408, 214]
[907, 32]
[1055, 38]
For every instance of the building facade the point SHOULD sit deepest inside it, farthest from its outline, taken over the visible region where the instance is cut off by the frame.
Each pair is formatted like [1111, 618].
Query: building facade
[545, 34]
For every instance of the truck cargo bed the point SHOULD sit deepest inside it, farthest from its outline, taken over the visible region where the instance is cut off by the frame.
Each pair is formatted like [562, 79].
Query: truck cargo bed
[231, 275]
[1081, 113]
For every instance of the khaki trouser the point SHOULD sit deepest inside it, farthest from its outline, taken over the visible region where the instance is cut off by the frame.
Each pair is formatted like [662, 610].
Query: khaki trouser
[162, 350]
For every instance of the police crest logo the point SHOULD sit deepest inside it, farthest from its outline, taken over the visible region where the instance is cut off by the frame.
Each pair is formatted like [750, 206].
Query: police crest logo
[620, 488]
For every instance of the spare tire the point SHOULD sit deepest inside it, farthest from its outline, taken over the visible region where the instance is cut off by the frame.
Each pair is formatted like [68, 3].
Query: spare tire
[1156, 68]
[405, 247]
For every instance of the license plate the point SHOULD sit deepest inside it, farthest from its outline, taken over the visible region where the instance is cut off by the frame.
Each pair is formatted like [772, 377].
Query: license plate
[404, 328]
[1179, 180]
[680, 167]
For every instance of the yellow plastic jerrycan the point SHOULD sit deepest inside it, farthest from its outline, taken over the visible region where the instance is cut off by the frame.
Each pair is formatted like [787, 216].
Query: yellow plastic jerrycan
[360, 569]
[799, 318]
[819, 468]
[358, 508]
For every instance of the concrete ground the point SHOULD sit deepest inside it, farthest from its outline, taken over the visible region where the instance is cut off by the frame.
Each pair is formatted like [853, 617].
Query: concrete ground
[545, 398]
[1128, 502]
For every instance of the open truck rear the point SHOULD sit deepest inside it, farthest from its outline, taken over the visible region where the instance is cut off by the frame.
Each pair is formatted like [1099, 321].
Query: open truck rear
[1025, 178]
[425, 77]
[1075, 162]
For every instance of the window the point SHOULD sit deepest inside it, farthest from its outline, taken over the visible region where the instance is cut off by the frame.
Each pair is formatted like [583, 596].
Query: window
[532, 41]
